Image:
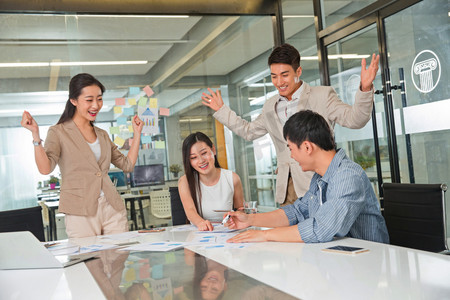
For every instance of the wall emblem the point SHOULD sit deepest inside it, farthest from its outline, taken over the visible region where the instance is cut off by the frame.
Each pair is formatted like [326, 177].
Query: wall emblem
[426, 71]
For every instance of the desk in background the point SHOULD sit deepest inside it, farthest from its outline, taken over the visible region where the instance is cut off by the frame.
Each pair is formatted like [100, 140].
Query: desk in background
[131, 198]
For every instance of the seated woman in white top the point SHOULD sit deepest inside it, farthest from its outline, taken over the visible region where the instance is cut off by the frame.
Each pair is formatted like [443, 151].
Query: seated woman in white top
[205, 187]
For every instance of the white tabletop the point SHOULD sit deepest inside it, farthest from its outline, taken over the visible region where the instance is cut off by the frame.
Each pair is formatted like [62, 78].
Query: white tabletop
[301, 270]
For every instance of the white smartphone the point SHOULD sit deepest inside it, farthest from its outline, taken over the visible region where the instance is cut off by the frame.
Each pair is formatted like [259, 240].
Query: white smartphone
[346, 249]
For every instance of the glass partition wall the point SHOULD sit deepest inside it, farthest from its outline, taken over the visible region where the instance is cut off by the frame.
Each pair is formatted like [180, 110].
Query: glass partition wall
[225, 47]
[177, 56]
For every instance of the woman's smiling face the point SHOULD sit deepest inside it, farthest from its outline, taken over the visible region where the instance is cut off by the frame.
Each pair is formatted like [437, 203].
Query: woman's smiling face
[89, 103]
[202, 157]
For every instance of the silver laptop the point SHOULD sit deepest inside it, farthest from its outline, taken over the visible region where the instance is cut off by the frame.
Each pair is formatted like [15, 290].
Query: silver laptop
[22, 250]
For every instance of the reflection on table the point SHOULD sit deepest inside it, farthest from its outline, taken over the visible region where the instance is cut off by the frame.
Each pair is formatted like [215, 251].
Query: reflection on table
[260, 271]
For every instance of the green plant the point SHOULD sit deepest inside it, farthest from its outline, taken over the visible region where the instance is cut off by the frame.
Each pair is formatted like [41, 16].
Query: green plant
[175, 168]
[365, 158]
[53, 179]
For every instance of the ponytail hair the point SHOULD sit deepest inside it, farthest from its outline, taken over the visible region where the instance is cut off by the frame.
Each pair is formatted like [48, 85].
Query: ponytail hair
[76, 85]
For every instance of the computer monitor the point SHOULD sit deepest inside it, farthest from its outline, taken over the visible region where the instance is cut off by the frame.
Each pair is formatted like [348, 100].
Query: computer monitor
[121, 179]
[147, 175]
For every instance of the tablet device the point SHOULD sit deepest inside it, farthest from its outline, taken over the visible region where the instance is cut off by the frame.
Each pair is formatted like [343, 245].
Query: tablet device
[346, 249]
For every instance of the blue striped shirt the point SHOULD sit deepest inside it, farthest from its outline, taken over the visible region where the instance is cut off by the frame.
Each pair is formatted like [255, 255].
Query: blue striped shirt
[341, 203]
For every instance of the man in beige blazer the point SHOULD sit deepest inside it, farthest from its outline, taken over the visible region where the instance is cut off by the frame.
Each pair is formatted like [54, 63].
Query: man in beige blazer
[295, 95]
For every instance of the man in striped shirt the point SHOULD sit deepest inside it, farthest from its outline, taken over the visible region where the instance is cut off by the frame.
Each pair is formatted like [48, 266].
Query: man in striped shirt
[340, 200]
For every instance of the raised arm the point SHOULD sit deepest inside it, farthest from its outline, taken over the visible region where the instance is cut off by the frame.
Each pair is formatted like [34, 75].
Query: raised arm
[368, 75]
[42, 161]
[223, 114]
[189, 206]
[134, 148]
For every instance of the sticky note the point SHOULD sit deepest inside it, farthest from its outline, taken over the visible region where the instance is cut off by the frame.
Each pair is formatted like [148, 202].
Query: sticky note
[144, 271]
[164, 111]
[160, 145]
[117, 109]
[130, 128]
[120, 101]
[146, 139]
[142, 101]
[119, 141]
[153, 103]
[130, 275]
[157, 271]
[148, 90]
[122, 121]
[114, 130]
[134, 90]
[128, 111]
[170, 258]
[130, 142]
[131, 101]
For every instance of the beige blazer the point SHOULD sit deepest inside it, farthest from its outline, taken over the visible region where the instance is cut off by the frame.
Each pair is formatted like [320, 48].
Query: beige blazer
[82, 176]
[321, 99]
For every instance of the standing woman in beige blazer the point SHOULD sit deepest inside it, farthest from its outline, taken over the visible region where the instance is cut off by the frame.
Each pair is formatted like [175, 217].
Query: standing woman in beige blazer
[84, 153]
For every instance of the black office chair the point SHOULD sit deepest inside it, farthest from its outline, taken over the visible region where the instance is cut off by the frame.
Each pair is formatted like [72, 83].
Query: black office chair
[26, 219]
[178, 215]
[415, 215]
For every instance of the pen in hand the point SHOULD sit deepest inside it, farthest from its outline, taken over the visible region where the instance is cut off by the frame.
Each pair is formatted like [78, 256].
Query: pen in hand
[225, 220]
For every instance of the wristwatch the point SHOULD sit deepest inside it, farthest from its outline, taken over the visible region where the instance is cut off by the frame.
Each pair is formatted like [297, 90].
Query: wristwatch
[37, 143]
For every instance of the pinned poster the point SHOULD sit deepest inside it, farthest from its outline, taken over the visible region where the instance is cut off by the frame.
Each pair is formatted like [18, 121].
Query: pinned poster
[114, 130]
[142, 101]
[119, 141]
[164, 111]
[153, 103]
[120, 101]
[122, 121]
[131, 101]
[128, 111]
[117, 109]
[130, 128]
[149, 116]
[148, 91]
[145, 139]
[160, 145]
[133, 90]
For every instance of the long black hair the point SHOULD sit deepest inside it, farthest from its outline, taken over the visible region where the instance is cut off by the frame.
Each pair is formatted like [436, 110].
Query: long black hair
[191, 174]
[76, 85]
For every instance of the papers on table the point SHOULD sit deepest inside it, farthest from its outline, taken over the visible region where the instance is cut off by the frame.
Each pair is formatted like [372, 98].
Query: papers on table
[66, 248]
[218, 228]
[207, 240]
[155, 246]
[184, 228]
[96, 247]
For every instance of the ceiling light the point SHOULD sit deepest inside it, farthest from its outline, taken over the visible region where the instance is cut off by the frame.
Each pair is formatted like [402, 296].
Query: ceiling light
[99, 63]
[35, 64]
[298, 16]
[336, 56]
[73, 63]
[131, 16]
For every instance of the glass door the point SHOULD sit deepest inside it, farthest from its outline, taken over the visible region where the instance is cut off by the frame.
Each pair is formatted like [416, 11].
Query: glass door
[417, 40]
[366, 146]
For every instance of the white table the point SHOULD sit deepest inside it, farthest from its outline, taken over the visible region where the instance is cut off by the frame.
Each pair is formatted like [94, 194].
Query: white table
[301, 270]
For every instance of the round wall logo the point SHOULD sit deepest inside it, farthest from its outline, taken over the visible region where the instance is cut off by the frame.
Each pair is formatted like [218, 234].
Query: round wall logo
[426, 71]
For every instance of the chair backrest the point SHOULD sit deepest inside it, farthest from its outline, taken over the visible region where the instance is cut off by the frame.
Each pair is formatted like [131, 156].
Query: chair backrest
[26, 219]
[160, 203]
[415, 215]
[178, 214]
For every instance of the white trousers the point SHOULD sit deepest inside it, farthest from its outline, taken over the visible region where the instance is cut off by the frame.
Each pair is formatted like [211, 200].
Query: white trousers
[106, 221]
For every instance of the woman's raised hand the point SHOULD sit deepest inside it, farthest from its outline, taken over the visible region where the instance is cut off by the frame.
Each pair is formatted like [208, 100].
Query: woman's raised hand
[137, 125]
[29, 123]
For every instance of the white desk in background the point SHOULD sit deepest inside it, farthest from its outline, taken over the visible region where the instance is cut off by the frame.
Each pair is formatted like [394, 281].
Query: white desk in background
[300, 270]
